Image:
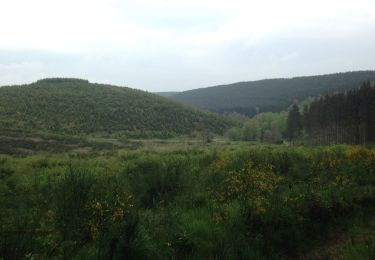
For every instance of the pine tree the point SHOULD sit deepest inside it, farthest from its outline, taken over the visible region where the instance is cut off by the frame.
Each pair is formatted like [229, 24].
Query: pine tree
[346, 117]
[293, 124]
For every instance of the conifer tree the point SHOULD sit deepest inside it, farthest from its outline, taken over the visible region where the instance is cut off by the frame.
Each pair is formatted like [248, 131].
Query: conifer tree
[293, 124]
[346, 117]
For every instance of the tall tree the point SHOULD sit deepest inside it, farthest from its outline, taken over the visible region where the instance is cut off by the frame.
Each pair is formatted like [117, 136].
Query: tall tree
[293, 124]
[346, 117]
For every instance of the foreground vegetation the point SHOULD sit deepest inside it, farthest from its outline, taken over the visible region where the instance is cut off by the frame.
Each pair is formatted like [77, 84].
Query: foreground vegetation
[228, 202]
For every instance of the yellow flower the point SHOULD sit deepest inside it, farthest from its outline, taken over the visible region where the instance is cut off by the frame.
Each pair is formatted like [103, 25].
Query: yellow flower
[356, 154]
[98, 206]
[117, 215]
[51, 214]
[94, 230]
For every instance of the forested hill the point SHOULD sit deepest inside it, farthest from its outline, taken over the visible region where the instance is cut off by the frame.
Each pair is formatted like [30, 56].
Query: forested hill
[166, 94]
[76, 106]
[271, 94]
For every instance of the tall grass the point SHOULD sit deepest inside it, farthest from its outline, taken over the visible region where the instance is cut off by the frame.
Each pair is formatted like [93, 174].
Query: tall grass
[244, 203]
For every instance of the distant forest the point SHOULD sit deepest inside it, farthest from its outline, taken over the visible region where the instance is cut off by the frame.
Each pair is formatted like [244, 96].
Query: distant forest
[270, 95]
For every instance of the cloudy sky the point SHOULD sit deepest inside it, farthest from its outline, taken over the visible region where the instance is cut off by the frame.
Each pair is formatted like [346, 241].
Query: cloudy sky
[163, 45]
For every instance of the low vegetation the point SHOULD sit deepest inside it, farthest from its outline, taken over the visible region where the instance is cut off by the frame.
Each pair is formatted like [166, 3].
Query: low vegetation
[229, 202]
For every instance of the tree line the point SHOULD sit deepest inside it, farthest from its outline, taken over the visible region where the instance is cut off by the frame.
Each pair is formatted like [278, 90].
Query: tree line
[346, 117]
[270, 95]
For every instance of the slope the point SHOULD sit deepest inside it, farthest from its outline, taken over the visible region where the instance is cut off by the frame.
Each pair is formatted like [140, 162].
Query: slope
[73, 106]
[166, 94]
[270, 94]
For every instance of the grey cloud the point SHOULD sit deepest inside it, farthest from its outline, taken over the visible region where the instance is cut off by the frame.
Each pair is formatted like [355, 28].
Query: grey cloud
[159, 68]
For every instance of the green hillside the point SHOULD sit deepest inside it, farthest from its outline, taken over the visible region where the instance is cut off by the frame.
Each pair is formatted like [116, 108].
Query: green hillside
[73, 106]
[271, 95]
[166, 94]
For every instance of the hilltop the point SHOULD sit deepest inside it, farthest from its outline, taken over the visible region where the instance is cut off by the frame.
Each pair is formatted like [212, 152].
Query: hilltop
[270, 95]
[75, 106]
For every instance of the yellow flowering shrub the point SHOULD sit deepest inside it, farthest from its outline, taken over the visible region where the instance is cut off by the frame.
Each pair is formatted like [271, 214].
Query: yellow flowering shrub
[252, 182]
[342, 181]
[327, 159]
[356, 154]
[104, 214]
[250, 186]
[217, 164]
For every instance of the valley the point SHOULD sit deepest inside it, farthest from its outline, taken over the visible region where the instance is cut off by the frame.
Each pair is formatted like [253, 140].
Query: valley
[93, 171]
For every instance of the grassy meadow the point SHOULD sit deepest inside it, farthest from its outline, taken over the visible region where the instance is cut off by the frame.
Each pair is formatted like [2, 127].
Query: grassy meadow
[185, 200]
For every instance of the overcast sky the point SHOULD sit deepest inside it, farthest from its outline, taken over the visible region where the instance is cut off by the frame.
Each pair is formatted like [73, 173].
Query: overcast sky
[161, 45]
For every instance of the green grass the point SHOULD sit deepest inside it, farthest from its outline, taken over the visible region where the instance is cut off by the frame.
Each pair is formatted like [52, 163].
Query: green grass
[212, 201]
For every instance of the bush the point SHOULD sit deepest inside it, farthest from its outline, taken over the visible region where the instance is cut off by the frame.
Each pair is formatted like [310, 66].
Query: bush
[156, 179]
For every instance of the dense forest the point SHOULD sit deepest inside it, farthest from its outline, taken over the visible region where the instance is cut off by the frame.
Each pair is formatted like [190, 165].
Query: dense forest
[73, 106]
[166, 94]
[342, 118]
[270, 95]
[345, 117]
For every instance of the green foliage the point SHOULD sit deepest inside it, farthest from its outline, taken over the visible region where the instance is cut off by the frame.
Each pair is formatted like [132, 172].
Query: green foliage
[73, 106]
[360, 250]
[360, 241]
[345, 117]
[259, 202]
[264, 127]
[156, 180]
[71, 208]
[293, 124]
[166, 94]
[270, 95]
[250, 130]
